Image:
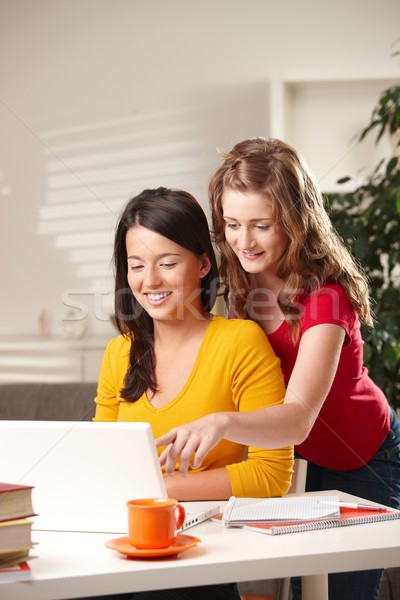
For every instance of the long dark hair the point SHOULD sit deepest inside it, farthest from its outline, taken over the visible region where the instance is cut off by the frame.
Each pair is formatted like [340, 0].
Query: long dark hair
[176, 215]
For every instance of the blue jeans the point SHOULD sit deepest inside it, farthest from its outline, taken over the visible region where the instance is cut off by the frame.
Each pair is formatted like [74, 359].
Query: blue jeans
[378, 481]
[223, 591]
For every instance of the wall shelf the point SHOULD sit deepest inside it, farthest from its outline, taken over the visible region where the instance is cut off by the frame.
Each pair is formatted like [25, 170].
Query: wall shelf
[322, 117]
[51, 360]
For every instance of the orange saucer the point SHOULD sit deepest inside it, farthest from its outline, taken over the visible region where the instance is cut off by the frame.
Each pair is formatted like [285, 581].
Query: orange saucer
[183, 543]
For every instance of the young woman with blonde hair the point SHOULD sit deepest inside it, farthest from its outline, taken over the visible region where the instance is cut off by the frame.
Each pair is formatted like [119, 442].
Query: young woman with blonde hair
[284, 266]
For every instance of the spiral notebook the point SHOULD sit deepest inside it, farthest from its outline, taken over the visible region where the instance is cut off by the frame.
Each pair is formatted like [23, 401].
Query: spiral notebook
[347, 516]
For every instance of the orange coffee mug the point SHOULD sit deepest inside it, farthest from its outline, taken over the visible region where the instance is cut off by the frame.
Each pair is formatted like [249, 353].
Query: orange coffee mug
[153, 522]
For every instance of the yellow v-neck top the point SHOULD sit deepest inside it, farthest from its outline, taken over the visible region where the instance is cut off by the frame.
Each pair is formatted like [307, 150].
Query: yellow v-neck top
[235, 370]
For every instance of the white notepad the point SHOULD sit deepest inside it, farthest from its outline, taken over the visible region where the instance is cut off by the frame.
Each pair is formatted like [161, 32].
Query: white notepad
[297, 508]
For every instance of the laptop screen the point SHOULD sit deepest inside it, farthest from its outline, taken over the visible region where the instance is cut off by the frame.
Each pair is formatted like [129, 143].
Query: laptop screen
[83, 473]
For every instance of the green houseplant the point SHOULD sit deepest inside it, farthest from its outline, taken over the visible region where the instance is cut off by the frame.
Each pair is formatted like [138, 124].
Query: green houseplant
[368, 221]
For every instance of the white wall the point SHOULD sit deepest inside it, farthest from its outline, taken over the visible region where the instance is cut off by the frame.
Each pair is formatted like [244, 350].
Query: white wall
[99, 99]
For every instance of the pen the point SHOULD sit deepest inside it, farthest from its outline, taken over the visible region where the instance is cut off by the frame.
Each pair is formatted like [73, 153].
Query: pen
[353, 505]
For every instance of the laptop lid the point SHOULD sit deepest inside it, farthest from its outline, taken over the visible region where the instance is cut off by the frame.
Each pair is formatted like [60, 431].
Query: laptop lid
[83, 473]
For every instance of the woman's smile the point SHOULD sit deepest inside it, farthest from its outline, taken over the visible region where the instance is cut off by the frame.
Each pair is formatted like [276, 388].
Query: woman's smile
[252, 255]
[157, 298]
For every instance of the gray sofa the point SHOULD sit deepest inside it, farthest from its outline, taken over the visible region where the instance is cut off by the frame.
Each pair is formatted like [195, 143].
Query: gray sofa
[47, 401]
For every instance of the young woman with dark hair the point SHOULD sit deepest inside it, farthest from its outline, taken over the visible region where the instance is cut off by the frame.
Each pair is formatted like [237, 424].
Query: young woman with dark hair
[175, 361]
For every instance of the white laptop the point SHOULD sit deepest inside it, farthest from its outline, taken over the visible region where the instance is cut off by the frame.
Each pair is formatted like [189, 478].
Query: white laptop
[83, 473]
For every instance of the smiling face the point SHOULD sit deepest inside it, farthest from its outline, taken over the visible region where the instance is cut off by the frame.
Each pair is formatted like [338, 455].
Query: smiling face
[165, 278]
[251, 233]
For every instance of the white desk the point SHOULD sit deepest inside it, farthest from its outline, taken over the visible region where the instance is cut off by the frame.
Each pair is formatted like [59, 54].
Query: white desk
[73, 565]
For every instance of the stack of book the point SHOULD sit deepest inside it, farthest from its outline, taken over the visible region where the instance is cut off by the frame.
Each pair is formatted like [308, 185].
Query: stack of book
[15, 531]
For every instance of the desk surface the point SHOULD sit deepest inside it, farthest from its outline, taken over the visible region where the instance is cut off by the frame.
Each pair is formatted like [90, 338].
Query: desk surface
[72, 565]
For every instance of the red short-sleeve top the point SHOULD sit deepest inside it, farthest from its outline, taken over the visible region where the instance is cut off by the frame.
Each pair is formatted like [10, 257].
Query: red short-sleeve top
[354, 419]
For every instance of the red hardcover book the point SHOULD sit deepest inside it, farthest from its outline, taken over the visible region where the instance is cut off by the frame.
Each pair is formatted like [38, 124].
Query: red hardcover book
[13, 557]
[19, 572]
[15, 501]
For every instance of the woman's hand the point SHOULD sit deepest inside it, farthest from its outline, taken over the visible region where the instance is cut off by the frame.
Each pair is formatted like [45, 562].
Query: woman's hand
[190, 443]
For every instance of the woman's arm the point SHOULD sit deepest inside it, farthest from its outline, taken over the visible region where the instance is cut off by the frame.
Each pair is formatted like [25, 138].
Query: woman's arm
[271, 427]
[212, 484]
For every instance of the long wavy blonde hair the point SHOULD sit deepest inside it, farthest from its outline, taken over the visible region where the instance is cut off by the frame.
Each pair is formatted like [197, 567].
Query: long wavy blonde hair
[315, 254]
